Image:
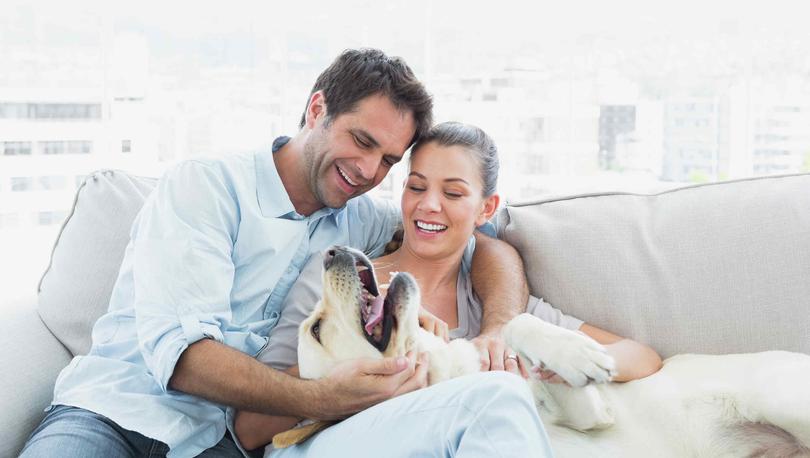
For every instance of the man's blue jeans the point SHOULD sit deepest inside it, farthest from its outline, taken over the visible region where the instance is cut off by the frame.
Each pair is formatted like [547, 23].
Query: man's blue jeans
[71, 432]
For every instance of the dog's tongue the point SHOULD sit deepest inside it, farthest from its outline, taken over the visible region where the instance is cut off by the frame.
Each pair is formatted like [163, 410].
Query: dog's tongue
[376, 314]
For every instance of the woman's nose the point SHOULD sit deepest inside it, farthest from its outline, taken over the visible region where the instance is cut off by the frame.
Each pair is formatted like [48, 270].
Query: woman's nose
[430, 202]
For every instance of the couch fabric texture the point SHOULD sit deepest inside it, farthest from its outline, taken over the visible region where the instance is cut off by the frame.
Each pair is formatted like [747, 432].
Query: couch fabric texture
[716, 268]
[76, 288]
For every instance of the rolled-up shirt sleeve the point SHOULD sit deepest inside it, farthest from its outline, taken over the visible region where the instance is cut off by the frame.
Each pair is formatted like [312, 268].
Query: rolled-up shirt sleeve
[550, 314]
[183, 269]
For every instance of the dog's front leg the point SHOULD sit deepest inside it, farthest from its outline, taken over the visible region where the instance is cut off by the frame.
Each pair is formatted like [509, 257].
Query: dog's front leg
[575, 357]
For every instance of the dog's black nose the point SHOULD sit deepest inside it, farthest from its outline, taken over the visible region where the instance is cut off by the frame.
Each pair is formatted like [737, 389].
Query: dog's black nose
[330, 253]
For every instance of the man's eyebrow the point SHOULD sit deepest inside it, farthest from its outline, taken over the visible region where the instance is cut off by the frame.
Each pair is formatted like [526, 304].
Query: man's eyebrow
[417, 174]
[365, 137]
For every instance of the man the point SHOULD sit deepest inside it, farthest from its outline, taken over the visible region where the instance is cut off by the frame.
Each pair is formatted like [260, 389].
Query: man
[212, 255]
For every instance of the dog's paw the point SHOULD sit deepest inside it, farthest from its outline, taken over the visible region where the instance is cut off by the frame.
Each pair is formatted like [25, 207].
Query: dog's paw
[579, 360]
[575, 357]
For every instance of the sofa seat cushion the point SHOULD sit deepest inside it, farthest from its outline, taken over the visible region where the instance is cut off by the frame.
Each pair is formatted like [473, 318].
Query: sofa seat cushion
[75, 289]
[717, 268]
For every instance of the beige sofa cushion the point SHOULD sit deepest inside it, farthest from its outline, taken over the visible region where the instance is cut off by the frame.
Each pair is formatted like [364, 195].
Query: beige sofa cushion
[714, 268]
[30, 358]
[75, 289]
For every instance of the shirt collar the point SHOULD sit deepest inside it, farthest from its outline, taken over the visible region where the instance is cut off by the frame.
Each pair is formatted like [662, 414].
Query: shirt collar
[273, 199]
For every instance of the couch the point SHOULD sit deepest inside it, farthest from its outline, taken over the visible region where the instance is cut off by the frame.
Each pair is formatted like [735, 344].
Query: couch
[715, 268]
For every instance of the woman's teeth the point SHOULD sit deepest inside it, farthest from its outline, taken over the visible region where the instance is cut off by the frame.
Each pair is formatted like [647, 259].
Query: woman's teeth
[430, 227]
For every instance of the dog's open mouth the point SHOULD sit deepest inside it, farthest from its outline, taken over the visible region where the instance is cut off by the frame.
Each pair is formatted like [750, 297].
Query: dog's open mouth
[376, 310]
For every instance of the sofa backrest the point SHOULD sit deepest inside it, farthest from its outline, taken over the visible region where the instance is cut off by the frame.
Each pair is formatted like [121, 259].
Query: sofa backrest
[716, 268]
[75, 289]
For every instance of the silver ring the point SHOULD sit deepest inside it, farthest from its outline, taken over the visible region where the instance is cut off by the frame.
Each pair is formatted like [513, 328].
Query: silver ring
[514, 357]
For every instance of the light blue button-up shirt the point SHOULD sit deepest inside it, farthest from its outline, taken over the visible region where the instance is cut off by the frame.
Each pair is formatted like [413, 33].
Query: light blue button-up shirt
[212, 254]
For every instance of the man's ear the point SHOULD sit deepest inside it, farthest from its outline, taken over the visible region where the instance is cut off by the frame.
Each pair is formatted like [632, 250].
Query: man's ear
[316, 109]
[490, 205]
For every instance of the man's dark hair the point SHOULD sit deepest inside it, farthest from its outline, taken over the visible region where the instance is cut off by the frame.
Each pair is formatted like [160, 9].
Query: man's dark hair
[359, 73]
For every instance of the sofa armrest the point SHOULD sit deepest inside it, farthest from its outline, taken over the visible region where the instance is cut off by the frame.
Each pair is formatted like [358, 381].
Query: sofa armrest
[30, 360]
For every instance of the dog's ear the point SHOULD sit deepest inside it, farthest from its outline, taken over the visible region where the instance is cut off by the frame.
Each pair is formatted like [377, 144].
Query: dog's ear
[300, 434]
[407, 300]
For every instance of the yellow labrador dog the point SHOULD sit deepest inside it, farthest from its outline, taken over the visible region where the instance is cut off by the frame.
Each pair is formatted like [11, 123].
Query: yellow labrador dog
[696, 406]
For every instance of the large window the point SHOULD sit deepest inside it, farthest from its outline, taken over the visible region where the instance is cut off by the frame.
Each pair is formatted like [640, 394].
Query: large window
[623, 95]
[602, 89]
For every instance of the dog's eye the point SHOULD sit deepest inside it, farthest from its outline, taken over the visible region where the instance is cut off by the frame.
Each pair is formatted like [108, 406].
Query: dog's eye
[316, 330]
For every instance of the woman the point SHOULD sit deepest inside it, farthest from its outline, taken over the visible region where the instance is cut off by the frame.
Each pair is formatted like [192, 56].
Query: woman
[450, 190]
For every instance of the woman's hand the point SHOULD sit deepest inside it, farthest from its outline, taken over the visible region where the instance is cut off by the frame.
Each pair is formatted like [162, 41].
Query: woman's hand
[514, 363]
[433, 324]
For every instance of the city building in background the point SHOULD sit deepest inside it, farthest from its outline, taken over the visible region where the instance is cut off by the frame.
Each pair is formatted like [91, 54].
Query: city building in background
[622, 96]
[615, 121]
[48, 144]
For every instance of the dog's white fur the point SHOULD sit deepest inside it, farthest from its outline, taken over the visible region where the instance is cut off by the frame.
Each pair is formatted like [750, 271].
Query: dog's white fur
[696, 406]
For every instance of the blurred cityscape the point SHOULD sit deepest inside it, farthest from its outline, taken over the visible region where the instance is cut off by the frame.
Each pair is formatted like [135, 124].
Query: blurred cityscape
[638, 107]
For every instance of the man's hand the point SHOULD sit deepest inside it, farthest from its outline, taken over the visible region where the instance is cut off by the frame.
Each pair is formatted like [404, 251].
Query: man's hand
[433, 324]
[359, 384]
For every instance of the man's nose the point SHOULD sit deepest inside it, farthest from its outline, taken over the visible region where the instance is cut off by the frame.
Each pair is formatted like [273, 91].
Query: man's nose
[367, 167]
